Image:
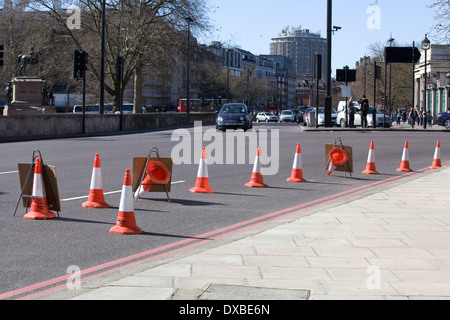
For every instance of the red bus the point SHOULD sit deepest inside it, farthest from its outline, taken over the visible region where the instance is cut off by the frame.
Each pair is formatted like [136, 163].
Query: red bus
[272, 107]
[200, 105]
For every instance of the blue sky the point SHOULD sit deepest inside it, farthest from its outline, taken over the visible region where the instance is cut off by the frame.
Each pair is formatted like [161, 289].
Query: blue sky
[251, 24]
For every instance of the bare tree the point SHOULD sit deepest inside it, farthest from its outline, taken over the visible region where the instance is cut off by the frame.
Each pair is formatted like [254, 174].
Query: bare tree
[143, 32]
[442, 17]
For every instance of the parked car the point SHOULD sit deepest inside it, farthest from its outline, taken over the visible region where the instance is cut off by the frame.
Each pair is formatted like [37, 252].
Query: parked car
[301, 113]
[234, 116]
[443, 119]
[287, 115]
[379, 118]
[321, 118]
[266, 117]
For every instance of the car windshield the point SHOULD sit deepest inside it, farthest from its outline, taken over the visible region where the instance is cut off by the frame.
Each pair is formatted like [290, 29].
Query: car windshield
[233, 108]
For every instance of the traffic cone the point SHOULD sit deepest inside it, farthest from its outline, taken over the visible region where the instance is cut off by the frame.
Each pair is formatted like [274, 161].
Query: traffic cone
[404, 165]
[126, 221]
[256, 179]
[338, 157]
[39, 200]
[297, 171]
[96, 198]
[437, 156]
[202, 183]
[156, 173]
[370, 167]
[331, 168]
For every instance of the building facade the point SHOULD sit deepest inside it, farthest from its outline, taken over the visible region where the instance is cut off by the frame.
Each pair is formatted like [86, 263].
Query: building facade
[301, 46]
[437, 91]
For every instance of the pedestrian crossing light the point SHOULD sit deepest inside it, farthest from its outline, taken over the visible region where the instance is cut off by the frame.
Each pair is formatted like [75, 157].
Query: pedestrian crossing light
[80, 59]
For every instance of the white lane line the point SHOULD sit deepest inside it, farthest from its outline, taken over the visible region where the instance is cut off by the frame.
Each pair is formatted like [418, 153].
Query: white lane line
[8, 172]
[110, 192]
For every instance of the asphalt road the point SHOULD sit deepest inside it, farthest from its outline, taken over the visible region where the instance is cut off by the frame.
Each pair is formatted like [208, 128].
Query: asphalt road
[40, 252]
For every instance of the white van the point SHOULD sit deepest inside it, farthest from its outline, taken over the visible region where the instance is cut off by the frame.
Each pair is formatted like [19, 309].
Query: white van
[341, 105]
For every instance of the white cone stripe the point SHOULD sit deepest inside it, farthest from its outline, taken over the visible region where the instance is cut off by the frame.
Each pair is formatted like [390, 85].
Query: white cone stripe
[96, 180]
[257, 165]
[371, 156]
[37, 186]
[126, 199]
[437, 153]
[331, 168]
[297, 161]
[202, 169]
[139, 192]
[405, 156]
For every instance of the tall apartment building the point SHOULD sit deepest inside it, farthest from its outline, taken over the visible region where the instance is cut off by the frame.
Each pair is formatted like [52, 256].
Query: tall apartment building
[302, 47]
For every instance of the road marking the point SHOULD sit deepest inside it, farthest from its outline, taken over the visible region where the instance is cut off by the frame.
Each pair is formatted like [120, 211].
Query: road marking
[8, 172]
[106, 193]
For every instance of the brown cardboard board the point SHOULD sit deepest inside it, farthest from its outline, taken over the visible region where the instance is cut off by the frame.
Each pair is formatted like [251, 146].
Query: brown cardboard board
[138, 168]
[50, 185]
[348, 167]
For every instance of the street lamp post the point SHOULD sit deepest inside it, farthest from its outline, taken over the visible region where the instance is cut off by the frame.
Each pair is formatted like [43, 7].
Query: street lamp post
[188, 20]
[102, 60]
[426, 47]
[328, 101]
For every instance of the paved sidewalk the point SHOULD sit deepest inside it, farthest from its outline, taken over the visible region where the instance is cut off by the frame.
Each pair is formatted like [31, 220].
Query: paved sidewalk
[392, 244]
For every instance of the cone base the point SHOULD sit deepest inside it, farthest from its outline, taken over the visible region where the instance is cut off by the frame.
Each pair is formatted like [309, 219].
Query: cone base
[36, 215]
[369, 171]
[436, 165]
[256, 185]
[294, 179]
[405, 170]
[93, 204]
[125, 230]
[201, 190]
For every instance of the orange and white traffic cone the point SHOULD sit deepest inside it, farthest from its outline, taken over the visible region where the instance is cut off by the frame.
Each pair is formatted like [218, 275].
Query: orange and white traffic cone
[39, 206]
[202, 183]
[437, 156]
[370, 167]
[156, 174]
[404, 165]
[297, 171]
[126, 221]
[96, 198]
[256, 179]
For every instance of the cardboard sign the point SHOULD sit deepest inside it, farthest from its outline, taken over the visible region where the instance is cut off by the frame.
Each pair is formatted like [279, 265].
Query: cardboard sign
[50, 185]
[139, 170]
[348, 167]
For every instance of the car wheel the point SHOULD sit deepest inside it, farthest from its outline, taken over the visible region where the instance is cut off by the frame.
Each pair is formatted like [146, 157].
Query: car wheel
[342, 123]
[447, 124]
[257, 120]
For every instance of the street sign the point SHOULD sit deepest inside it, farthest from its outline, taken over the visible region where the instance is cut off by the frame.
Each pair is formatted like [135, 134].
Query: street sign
[401, 54]
[341, 76]
[379, 101]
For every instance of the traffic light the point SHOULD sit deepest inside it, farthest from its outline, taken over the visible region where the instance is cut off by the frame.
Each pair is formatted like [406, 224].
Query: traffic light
[80, 59]
[1, 55]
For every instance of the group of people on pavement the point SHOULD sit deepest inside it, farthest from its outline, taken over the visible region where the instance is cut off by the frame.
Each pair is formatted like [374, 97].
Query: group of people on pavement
[397, 115]
[402, 116]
